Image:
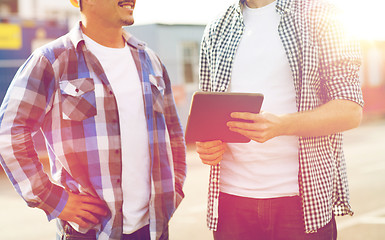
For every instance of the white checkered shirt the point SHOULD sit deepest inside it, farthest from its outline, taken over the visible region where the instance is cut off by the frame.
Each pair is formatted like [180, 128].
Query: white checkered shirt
[325, 65]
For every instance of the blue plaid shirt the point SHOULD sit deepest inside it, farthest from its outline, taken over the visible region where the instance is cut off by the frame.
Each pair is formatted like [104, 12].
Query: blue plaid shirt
[63, 91]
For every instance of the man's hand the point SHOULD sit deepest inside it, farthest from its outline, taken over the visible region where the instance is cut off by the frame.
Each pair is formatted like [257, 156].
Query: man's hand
[83, 210]
[263, 126]
[211, 153]
[332, 117]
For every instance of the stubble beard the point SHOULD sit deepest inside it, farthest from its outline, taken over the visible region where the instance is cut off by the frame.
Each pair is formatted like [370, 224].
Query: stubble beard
[127, 22]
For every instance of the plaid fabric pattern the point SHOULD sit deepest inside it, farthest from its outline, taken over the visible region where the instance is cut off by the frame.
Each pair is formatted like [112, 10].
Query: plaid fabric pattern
[78, 99]
[325, 65]
[63, 91]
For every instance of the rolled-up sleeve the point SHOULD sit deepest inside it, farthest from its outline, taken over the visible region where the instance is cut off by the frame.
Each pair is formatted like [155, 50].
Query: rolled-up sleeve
[340, 60]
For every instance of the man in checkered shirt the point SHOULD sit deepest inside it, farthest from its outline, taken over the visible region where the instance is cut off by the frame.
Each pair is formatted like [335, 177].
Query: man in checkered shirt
[290, 180]
[104, 103]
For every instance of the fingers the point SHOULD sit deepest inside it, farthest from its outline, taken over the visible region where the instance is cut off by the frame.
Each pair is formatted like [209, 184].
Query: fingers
[213, 158]
[213, 161]
[88, 217]
[252, 119]
[91, 204]
[95, 209]
[92, 200]
[209, 144]
[80, 221]
[247, 126]
[83, 210]
[260, 127]
[209, 147]
[211, 152]
[260, 137]
[247, 116]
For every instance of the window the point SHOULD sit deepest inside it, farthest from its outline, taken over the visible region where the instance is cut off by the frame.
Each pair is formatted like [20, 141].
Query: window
[190, 56]
[8, 6]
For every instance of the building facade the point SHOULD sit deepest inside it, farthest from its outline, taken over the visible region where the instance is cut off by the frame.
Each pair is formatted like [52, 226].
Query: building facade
[178, 47]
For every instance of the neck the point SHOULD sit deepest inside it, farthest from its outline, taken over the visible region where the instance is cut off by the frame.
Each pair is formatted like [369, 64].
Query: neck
[258, 3]
[107, 36]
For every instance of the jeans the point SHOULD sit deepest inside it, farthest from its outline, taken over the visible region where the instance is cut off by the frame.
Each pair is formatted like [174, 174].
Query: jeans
[71, 234]
[141, 234]
[243, 218]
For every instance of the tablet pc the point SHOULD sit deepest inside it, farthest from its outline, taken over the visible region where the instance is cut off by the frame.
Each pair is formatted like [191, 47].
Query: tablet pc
[209, 113]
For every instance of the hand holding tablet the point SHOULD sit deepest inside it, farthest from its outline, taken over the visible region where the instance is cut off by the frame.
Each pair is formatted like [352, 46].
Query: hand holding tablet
[210, 112]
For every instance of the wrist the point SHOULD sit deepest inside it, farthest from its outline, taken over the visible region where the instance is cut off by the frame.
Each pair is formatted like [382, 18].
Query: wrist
[290, 124]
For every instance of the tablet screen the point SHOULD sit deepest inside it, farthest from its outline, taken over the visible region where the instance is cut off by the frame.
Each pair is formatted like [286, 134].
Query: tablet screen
[210, 112]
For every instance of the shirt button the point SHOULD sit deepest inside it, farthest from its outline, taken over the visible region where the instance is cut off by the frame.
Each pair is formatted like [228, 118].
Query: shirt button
[118, 180]
[111, 92]
[117, 151]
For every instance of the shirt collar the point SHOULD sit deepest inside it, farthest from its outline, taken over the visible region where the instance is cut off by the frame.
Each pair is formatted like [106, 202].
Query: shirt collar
[282, 6]
[239, 6]
[77, 39]
[133, 41]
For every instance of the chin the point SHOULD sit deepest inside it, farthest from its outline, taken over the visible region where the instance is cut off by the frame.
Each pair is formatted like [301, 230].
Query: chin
[127, 22]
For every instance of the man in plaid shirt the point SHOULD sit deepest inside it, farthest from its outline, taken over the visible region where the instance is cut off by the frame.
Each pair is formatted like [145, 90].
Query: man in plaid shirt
[290, 180]
[104, 103]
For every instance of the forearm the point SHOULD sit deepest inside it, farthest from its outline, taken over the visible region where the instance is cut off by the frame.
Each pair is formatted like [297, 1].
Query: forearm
[332, 117]
[23, 168]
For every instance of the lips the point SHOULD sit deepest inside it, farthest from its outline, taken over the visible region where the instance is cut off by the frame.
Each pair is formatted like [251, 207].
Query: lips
[127, 4]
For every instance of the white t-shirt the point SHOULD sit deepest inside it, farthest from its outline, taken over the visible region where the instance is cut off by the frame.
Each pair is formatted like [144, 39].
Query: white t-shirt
[270, 169]
[122, 74]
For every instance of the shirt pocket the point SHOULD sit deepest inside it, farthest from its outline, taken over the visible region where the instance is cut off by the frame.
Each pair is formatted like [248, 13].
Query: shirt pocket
[78, 99]
[157, 89]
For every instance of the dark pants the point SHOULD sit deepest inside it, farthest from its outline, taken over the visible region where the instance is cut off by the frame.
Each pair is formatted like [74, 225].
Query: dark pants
[72, 234]
[144, 234]
[243, 218]
[141, 234]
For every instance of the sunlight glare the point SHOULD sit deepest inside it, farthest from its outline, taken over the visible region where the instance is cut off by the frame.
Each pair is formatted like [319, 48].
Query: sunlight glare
[363, 19]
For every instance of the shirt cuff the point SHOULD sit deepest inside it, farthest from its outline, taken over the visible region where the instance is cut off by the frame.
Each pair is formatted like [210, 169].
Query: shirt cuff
[55, 202]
